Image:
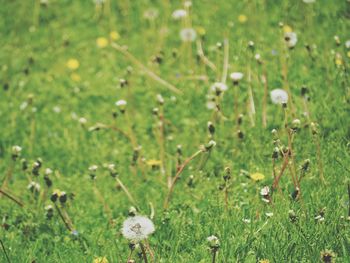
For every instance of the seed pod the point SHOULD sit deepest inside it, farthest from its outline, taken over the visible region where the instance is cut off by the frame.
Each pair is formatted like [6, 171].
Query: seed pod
[227, 175]
[63, 197]
[240, 119]
[48, 181]
[132, 211]
[54, 196]
[240, 134]
[211, 128]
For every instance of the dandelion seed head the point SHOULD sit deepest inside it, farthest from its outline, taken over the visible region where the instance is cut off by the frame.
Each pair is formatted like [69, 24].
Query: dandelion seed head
[179, 14]
[279, 96]
[121, 103]
[188, 35]
[236, 76]
[265, 191]
[291, 39]
[218, 87]
[137, 228]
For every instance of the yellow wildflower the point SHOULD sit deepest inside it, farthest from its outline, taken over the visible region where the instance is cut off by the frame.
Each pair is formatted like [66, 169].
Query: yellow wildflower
[264, 261]
[75, 77]
[200, 30]
[338, 61]
[154, 162]
[242, 18]
[102, 42]
[114, 35]
[287, 29]
[257, 176]
[100, 260]
[73, 64]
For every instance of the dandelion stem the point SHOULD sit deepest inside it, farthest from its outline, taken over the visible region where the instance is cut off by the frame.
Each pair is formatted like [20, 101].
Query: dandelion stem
[251, 104]
[107, 209]
[63, 218]
[284, 166]
[349, 199]
[319, 158]
[226, 197]
[150, 73]
[226, 57]
[180, 170]
[143, 253]
[131, 199]
[11, 198]
[214, 256]
[3, 248]
[162, 139]
[264, 118]
[8, 175]
[203, 58]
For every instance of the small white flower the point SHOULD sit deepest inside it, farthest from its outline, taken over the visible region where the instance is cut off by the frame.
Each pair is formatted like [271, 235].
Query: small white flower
[211, 105]
[257, 56]
[33, 186]
[99, 2]
[82, 120]
[347, 43]
[187, 4]
[74, 116]
[211, 144]
[279, 96]
[213, 241]
[236, 76]
[218, 86]
[188, 35]
[16, 150]
[269, 214]
[93, 168]
[246, 220]
[23, 105]
[151, 14]
[48, 207]
[319, 218]
[57, 109]
[160, 99]
[179, 14]
[121, 103]
[48, 171]
[137, 228]
[265, 191]
[291, 39]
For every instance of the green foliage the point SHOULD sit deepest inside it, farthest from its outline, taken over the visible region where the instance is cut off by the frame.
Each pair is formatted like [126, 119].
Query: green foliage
[42, 102]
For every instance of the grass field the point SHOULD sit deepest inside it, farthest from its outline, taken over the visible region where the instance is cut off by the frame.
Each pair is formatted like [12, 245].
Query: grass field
[111, 109]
